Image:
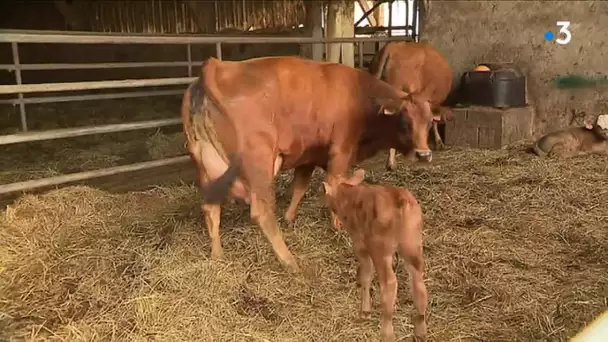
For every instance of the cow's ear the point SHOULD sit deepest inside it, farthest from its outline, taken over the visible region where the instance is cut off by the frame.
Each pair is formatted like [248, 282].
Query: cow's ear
[357, 177]
[327, 188]
[389, 106]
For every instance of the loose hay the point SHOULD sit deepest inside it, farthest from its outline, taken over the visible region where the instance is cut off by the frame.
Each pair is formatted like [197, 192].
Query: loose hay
[516, 250]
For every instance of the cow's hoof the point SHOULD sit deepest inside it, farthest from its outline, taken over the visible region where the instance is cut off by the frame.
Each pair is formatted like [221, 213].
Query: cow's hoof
[390, 167]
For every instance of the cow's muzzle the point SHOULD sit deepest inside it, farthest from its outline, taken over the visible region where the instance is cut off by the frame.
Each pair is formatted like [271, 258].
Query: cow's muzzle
[424, 156]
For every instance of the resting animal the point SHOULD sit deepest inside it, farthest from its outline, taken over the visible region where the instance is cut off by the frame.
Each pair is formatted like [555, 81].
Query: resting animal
[382, 219]
[575, 141]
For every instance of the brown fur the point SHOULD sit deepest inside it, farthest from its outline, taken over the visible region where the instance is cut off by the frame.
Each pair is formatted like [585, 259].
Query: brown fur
[280, 113]
[574, 141]
[381, 220]
[416, 67]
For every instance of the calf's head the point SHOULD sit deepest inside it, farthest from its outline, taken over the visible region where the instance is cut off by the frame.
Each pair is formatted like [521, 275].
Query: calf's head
[600, 127]
[416, 119]
[332, 196]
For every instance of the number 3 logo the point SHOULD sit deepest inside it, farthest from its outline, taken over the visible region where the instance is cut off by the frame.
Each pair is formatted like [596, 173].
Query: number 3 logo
[563, 28]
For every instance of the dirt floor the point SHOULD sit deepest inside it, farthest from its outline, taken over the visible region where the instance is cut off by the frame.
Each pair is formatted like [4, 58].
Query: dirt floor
[516, 250]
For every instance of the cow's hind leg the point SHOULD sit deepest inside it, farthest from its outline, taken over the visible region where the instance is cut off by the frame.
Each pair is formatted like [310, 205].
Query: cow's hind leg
[390, 160]
[259, 172]
[211, 216]
[301, 180]
[211, 213]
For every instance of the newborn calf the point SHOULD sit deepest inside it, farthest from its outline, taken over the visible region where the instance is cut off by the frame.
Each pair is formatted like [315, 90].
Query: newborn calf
[575, 141]
[382, 219]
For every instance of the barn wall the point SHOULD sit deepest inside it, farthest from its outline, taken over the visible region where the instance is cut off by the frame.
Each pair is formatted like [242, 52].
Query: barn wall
[156, 17]
[471, 32]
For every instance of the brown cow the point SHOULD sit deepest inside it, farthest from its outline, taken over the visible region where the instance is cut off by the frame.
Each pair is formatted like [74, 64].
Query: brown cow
[382, 219]
[575, 141]
[279, 113]
[415, 67]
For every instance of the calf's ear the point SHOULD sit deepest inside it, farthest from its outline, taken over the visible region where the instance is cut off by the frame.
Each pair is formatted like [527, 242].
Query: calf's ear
[327, 188]
[357, 177]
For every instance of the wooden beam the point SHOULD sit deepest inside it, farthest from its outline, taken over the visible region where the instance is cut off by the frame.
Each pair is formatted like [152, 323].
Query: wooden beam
[71, 16]
[333, 31]
[365, 6]
[379, 15]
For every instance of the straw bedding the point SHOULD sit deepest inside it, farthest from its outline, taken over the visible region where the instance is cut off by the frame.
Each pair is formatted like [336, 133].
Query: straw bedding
[516, 250]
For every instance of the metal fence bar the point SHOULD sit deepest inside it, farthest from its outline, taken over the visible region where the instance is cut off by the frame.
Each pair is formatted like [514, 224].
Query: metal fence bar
[218, 50]
[15, 49]
[78, 66]
[88, 97]
[7, 36]
[81, 131]
[189, 56]
[71, 86]
[79, 176]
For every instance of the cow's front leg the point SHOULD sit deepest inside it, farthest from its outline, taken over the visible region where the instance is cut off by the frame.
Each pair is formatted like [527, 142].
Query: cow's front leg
[390, 161]
[339, 162]
[299, 185]
[439, 145]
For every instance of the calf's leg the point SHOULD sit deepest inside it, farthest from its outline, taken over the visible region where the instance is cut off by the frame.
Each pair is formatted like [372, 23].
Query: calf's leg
[301, 180]
[410, 247]
[365, 274]
[383, 262]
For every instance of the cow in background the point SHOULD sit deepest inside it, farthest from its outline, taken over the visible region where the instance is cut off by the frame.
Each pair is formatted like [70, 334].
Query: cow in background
[420, 68]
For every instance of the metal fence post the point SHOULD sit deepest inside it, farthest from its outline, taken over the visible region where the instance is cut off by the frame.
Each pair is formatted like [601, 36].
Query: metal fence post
[17, 65]
[189, 49]
[218, 50]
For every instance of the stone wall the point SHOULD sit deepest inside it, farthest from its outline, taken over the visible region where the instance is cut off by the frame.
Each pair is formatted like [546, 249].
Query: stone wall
[471, 32]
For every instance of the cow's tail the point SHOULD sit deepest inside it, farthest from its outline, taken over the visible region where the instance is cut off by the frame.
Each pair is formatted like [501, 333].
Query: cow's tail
[215, 191]
[378, 63]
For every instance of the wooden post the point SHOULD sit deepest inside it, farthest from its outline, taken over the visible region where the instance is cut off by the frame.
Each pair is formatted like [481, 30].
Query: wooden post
[347, 21]
[340, 23]
[333, 31]
[314, 10]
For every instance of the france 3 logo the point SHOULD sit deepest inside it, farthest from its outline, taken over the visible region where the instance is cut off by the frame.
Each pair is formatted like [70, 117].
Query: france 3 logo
[564, 35]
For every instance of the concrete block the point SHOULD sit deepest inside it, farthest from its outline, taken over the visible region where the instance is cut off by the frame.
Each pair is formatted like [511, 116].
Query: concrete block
[487, 127]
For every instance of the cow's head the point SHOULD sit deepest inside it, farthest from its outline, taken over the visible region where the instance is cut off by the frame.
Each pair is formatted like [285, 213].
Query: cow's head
[416, 118]
[600, 127]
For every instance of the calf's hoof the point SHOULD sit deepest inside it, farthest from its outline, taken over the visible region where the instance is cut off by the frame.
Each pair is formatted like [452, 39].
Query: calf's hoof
[388, 336]
[365, 315]
[217, 254]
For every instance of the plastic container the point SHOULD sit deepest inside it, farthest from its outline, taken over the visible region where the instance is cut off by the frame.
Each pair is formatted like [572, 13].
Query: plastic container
[504, 86]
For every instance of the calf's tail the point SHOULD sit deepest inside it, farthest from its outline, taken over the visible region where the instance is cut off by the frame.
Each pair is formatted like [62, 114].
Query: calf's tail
[215, 191]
